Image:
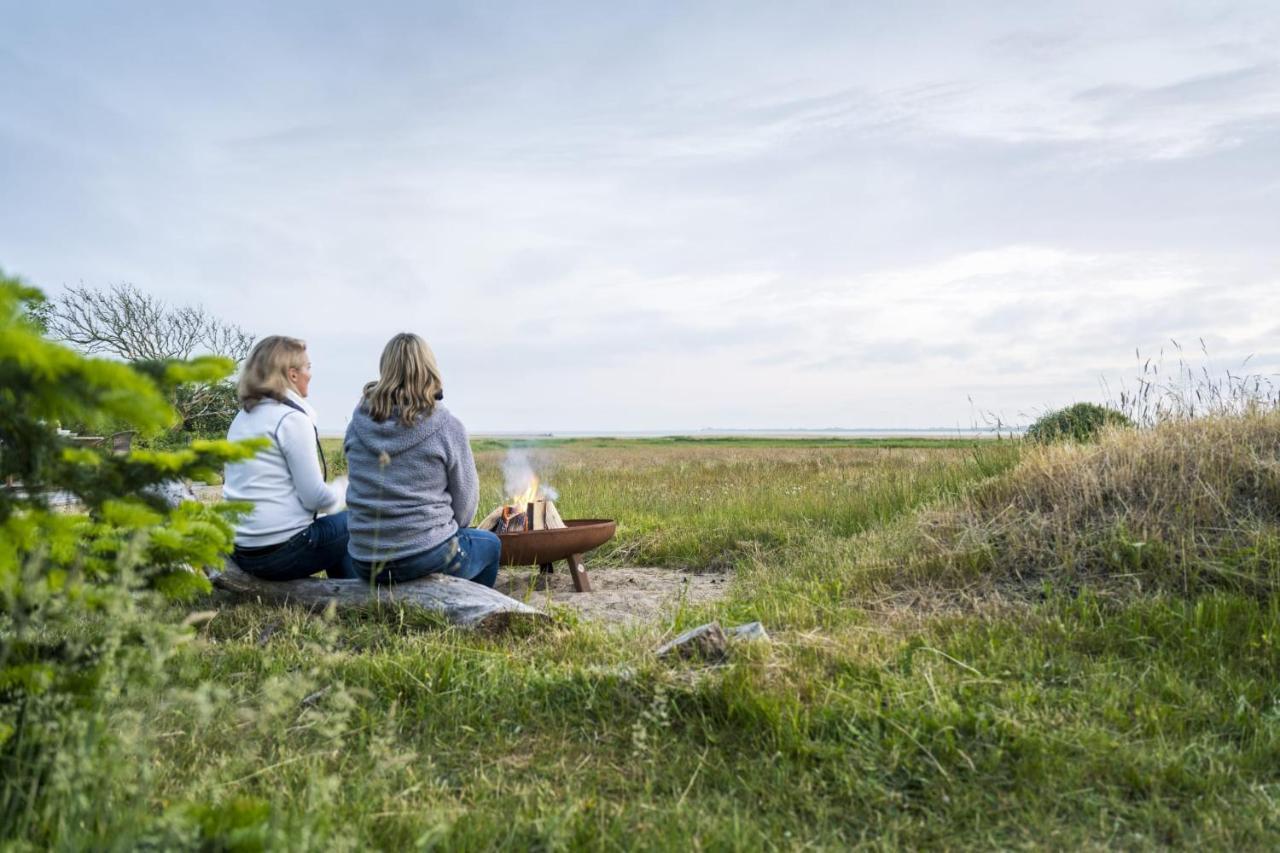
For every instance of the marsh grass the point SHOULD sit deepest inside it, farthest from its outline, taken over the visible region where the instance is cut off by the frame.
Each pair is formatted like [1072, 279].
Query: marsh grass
[1067, 717]
[704, 505]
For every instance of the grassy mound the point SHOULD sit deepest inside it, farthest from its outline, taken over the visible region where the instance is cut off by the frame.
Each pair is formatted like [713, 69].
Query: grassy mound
[1188, 505]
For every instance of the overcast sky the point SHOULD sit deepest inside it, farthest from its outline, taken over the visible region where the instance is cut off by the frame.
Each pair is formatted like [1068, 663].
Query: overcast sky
[653, 216]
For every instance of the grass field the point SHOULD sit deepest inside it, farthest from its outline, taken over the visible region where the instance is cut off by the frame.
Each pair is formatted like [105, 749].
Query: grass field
[909, 698]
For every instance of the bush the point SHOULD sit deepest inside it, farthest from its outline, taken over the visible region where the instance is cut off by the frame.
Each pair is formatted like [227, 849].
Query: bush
[75, 628]
[1081, 422]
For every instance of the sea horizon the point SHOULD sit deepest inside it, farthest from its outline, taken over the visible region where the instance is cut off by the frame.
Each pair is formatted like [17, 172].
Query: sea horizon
[715, 432]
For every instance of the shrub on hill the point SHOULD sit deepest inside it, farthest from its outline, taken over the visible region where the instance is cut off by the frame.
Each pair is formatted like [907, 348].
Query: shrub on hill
[1080, 422]
[63, 572]
[1184, 506]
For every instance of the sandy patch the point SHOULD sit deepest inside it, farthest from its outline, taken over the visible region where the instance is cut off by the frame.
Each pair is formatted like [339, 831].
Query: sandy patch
[626, 595]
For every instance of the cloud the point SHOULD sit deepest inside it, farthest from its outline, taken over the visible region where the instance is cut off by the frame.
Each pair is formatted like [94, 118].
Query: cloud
[809, 215]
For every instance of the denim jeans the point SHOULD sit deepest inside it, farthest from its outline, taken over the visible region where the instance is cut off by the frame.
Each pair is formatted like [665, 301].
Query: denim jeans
[322, 547]
[470, 554]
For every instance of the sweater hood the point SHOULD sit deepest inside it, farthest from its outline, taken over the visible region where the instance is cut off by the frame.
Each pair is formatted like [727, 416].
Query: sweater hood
[391, 436]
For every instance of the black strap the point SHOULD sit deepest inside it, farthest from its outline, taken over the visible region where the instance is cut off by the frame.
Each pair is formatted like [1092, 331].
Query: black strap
[324, 466]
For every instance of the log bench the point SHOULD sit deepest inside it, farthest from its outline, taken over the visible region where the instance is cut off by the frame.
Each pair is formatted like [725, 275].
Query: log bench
[461, 602]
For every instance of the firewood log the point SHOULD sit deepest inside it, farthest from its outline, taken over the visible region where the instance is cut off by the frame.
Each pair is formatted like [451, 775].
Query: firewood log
[512, 521]
[490, 522]
[552, 519]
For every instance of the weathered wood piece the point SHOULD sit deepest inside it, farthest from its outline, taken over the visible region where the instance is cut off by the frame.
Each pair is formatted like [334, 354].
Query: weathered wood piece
[462, 602]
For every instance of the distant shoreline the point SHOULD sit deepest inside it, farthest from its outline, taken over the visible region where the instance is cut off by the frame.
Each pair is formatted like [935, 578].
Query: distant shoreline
[931, 432]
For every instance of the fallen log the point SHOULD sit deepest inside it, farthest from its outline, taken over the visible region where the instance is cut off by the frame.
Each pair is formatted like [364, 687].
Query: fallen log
[462, 602]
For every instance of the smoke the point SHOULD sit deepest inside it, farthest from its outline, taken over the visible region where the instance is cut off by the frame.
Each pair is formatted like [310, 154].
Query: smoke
[518, 470]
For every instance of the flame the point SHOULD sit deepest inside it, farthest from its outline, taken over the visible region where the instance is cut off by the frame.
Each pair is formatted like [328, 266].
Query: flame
[529, 495]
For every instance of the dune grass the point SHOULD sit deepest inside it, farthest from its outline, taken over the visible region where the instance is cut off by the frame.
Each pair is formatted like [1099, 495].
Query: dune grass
[1050, 708]
[1185, 506]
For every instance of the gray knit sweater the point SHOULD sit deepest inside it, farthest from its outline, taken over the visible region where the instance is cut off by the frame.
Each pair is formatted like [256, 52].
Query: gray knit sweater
[411, 487]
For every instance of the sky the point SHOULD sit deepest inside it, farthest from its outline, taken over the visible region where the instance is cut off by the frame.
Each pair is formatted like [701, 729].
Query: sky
[669, 216]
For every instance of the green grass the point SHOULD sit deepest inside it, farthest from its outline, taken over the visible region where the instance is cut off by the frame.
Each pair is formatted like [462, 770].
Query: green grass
[704, 502]
[1065, 718]
[480, 444]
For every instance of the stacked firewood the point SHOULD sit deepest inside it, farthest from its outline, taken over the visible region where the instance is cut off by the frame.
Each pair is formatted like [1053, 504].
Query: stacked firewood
[521, 518]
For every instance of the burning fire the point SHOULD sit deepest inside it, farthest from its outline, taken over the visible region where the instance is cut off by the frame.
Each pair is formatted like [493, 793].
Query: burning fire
[517, 513]
[530, 504]
[530, 494]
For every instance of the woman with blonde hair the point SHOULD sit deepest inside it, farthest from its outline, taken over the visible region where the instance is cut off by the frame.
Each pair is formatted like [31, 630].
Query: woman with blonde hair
[413, 484]
[285, 537]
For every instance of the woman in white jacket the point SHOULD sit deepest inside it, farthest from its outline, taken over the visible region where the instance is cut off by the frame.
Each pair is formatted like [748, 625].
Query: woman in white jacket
[285, 537]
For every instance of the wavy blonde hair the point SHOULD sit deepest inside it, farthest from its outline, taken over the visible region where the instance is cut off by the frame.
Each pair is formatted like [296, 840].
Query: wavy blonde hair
[266, 370]
[408, 381]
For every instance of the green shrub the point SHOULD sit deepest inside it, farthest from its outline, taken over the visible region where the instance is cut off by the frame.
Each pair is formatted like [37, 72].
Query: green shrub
[1081, 422]
[75, 628]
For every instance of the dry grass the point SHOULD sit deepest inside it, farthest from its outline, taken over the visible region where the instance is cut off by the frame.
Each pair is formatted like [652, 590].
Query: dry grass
[1186, 505]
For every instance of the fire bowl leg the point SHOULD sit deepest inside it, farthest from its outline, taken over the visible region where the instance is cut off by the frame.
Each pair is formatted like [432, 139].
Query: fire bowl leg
[547, 568]
[581, 581]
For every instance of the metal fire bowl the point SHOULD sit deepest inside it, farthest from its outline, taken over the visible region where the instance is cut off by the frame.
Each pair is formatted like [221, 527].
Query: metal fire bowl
[539, 547]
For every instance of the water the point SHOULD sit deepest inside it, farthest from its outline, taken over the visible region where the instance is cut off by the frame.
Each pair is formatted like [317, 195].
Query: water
[936, 432]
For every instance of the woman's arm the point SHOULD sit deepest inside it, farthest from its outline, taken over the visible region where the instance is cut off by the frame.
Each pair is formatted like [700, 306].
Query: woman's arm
[297, 439]
[464, 482]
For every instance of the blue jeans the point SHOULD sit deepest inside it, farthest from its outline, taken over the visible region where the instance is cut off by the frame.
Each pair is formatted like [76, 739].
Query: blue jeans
[470, 554]
[322, 547]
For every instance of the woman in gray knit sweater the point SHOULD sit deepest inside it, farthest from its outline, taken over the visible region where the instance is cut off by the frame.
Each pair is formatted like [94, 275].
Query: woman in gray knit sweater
[413, 485]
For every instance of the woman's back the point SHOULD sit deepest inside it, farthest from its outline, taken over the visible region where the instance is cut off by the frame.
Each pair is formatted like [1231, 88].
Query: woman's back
[410, 486]
[285, 491]
[284, 537]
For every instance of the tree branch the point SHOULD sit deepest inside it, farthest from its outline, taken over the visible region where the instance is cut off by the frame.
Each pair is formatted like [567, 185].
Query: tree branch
[125, 322]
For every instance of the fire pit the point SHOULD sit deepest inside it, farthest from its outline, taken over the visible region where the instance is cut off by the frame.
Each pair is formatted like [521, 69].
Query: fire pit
[533, 534]
[544, 547]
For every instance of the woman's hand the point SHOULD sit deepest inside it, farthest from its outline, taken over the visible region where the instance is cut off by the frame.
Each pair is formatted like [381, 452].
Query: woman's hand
[339, 488]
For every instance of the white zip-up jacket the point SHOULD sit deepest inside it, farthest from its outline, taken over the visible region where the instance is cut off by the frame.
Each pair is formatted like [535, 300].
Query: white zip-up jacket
[283, 482]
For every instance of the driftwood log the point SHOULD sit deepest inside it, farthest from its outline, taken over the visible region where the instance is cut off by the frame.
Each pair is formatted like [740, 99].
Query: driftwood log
[462, 602]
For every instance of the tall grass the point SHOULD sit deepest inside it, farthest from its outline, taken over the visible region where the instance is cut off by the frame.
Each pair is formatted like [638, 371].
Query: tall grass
[1073, 719]
[702, 506]
[1183, 389]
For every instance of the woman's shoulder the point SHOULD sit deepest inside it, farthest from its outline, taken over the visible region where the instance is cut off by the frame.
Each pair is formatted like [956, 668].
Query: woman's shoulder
[447, 421]
[261, 419]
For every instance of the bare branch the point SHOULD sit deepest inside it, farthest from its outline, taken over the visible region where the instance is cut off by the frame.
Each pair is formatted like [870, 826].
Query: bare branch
[125, 322]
